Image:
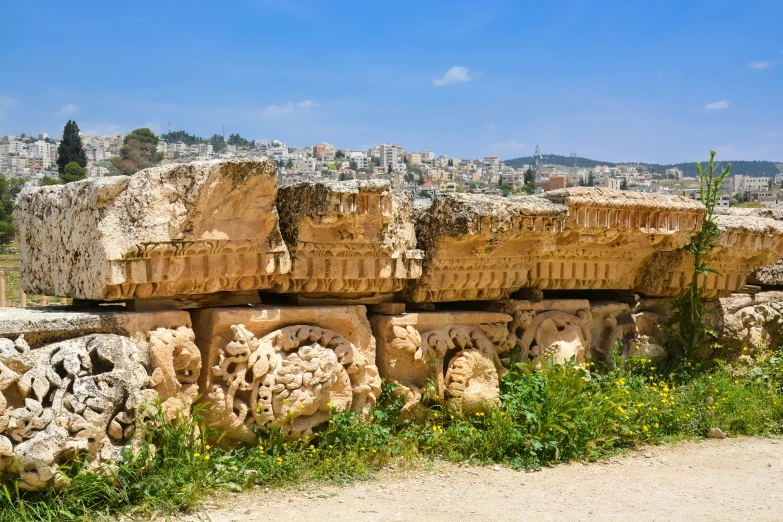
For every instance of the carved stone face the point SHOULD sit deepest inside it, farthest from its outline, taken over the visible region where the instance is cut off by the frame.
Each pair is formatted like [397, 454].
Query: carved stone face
[290, 379]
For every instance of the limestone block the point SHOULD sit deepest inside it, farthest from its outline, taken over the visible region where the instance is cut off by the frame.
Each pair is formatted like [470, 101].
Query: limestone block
[175, 230]
[284, 367]
[455, 358]
[747, 324]
[482, 247]
[83, 382]
[746, 243]
[347, 239]
[770, 275]
[611, 236]
[555, 330]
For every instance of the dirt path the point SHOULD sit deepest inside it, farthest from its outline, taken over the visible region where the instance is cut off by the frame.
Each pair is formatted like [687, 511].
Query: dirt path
[735, 479]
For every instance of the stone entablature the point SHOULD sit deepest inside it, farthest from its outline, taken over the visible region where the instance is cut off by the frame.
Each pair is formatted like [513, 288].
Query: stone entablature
[482, 247]
[745, 243]
[347, 239]
[175, 230]
[610, 235]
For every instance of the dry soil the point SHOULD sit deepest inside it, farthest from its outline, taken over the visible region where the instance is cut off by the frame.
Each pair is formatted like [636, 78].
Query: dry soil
[715, 480]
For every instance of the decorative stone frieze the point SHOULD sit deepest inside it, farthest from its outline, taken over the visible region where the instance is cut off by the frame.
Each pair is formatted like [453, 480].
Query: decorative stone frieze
[349, 239]
[551, 330]
[611, 235]
[747, 324]
[482, 247]
[285, 367]
[746, 243]
[176, 230]
[612, 323]
[455, 358]
[770, 275]
[84, 382]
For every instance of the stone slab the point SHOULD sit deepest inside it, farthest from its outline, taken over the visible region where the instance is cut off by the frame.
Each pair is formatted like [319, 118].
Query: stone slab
[286, 367]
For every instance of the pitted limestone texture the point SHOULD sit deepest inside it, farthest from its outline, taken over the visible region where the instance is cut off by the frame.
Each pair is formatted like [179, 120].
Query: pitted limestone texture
[285, 367]
[175, 230]
[347, 239]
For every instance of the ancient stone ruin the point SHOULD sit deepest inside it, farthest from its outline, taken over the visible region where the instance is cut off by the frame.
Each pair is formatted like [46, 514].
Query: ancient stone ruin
[277, 307]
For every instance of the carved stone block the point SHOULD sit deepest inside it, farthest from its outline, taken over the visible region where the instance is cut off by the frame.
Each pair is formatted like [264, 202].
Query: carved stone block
[85, 382]
[611, 235]
[746, 243]
[174, 230]
[349, 239]
[482, 247]
[556, 330]
[454, 357]
[612, 322]
[284, 367]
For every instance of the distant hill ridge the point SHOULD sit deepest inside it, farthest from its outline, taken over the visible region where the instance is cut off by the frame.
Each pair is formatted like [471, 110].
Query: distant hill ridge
[748, 168]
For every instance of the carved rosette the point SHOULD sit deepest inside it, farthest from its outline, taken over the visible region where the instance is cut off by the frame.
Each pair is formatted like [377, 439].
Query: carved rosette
[463, 363]
[289, 379]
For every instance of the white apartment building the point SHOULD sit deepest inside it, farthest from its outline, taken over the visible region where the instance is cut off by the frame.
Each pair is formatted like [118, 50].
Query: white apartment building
[491, 162]
[610, 183]
[362, 162]
[97, 172]
[388, 154]
[205, 148]
[427, 156]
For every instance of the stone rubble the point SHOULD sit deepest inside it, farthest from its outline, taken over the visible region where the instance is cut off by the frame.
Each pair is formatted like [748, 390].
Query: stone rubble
[454, 293]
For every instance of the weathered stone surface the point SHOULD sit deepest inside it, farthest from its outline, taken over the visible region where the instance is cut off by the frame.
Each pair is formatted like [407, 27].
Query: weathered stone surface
[747, 324]
[611, 236]
[770, 275]
[612, 322]
[746, 243]
[457, 354]
[556, 330]
[175, 230]
[347, 239]
[284, 367]
[482, 247]
[84, 381]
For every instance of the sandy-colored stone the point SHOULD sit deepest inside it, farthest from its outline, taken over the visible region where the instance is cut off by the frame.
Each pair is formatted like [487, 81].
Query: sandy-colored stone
[84, 381]
[611, 236]
[174, 230]
[451, 357]
[347, 239]
[770, 275]
[747, 324]
[746, 243]
[284, 367]
[482, 247]
[612, 322]
[556, 330]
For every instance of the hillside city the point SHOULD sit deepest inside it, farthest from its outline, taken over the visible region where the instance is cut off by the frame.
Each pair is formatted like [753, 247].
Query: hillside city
[33, 160]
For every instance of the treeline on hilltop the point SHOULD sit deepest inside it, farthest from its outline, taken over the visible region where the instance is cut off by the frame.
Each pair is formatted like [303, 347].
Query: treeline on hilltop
[218, 142]
[748, 168]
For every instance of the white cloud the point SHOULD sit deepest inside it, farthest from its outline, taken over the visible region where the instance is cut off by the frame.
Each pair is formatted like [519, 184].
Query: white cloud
[760, 65]
[491, 126]
[719, 105]
[454, 75]
[510, 146]
[67, 110]
[284, 108]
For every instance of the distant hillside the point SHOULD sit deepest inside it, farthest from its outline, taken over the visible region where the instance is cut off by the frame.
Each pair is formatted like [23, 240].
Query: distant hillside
[748, 168]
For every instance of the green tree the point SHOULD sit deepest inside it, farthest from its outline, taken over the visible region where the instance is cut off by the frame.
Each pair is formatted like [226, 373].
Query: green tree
[218, 143]
[70, 148]
[339, 154]
[138, 152]
[237, 141]
[183, 136]
[590, 180]
[73, 172]
[9, 189]
[530, 177]
[688, 308]
[353, 165]
[390, 168]
[624, 184]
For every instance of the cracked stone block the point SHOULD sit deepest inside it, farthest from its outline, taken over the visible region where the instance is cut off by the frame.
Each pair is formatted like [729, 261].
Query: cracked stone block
[174, 230]
[347, 239]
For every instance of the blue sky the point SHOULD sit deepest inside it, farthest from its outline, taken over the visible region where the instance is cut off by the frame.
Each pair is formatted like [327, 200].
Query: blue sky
[659, 81]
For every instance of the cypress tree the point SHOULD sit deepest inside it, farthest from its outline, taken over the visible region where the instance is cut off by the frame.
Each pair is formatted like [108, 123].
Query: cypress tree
[70, 148]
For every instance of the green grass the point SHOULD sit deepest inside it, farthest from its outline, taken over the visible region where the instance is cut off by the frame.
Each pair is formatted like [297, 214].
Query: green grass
[556, 414]
[9, 263]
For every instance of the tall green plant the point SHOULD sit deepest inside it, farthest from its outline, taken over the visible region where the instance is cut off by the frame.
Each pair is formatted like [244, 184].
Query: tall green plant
[688, 308]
